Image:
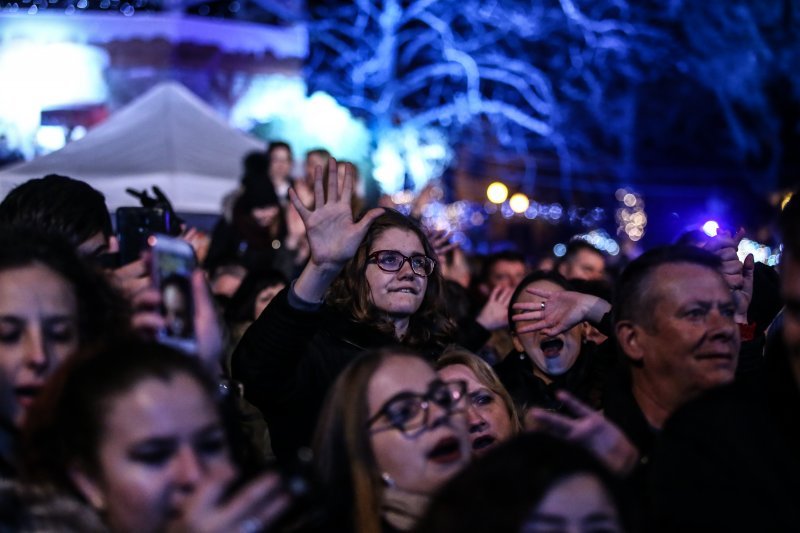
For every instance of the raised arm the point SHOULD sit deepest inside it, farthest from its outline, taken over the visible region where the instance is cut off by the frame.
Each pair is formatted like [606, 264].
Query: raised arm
[333, 236]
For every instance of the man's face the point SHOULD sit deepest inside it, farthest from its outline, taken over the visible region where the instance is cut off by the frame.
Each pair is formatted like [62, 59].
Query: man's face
[691, 343]
[506, 274]
[586, 265]
[790, 286]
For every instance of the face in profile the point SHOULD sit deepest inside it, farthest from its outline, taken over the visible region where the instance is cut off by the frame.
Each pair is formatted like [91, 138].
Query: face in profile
[551, 356]
[577, 503]
[38, 330]
[424, 456]
[159, 441]
[398, 294]
[488, 419]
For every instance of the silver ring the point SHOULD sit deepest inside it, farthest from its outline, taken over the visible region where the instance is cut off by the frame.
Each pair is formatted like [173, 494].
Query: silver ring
[251, 525]
[542, 306]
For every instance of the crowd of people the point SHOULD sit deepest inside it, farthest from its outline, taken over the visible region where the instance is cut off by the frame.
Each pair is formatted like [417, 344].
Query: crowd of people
[354, 371]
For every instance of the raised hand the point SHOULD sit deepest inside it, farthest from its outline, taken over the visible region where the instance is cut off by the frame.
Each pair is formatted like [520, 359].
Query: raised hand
[494, 314]
[737, 274]
[252, 509]
[589, 429]
[440, 240]
[562, 310]
[147, 319]
[332, 234]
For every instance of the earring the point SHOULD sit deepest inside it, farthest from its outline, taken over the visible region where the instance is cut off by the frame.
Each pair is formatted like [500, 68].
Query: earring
[387, 480]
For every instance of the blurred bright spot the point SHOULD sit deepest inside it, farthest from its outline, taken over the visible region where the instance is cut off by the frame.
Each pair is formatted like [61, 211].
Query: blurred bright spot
[51, 138]
[786, 199]
[38, 76]
[629, 200]
[560, 249]
[710, 228]
[519, 203]
[497, 192]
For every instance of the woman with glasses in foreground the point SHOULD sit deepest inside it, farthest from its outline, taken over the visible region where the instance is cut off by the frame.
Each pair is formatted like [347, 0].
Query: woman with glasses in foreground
[391, 433]
[368, 284]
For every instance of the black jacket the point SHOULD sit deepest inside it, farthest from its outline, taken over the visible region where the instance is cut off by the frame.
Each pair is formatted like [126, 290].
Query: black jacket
[586, 379]
[289, 358]
[730, 460]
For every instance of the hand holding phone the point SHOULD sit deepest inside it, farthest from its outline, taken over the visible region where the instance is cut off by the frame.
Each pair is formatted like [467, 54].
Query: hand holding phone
[172, 264]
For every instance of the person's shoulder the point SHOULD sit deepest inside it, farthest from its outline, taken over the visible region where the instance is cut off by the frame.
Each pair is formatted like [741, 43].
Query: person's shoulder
[721, 408]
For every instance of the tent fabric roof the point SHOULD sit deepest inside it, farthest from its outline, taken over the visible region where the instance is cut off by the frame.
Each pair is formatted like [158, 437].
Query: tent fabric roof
[168, 137]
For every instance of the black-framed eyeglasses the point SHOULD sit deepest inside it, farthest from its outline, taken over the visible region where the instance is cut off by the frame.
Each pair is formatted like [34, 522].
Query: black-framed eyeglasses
[392, 261]
[408, 411]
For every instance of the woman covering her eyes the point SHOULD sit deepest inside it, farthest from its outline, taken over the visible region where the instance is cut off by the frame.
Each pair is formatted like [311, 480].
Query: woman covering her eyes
[135, 431]
[368, 284]
[391, 433]
[51, 305]
[542, 364]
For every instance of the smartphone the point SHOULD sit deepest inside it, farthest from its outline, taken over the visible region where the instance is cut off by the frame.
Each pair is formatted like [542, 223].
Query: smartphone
[135, 225]
[172, 264]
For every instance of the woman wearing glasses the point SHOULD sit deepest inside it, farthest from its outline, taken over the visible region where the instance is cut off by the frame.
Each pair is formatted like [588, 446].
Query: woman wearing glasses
[368, 284]
[390, 434]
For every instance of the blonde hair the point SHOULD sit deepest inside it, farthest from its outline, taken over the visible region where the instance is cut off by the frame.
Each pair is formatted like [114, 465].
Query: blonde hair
[456, 355]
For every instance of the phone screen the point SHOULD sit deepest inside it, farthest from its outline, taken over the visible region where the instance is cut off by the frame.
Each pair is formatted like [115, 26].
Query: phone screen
[173, 263]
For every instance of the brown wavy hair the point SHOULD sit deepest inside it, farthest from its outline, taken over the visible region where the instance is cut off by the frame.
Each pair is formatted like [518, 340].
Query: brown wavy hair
[350, 292]
[343, 448]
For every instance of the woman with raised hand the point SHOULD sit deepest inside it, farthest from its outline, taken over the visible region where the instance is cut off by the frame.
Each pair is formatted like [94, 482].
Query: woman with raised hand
[369, 283]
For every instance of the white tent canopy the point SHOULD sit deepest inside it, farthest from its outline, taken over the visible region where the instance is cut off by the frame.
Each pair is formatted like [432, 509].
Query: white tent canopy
[168, 137]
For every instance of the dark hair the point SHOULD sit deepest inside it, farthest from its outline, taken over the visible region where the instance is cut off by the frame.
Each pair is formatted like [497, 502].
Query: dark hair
[322, 152]
[102, 312]
[343, 451]
[539, 275]
[275, 145]
[508, 483]
[66, 207]
[350, 292]
[258, 188]
[241, 305]
[575, 246]
[65, 426]
[790, 227]
[633, 294]
[491, 260]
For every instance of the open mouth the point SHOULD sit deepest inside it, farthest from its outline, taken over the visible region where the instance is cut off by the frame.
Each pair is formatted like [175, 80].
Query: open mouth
[483, 442]
[447, 450]
[551, 347]
[27, 393]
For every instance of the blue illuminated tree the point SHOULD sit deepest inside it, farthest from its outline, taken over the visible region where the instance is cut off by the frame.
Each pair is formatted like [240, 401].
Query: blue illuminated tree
[590, 92]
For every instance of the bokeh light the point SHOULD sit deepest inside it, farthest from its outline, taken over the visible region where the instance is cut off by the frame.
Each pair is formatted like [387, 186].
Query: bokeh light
[497, 192]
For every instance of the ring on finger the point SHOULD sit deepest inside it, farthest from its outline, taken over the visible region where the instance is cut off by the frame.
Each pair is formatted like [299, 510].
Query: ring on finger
[542, 306]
